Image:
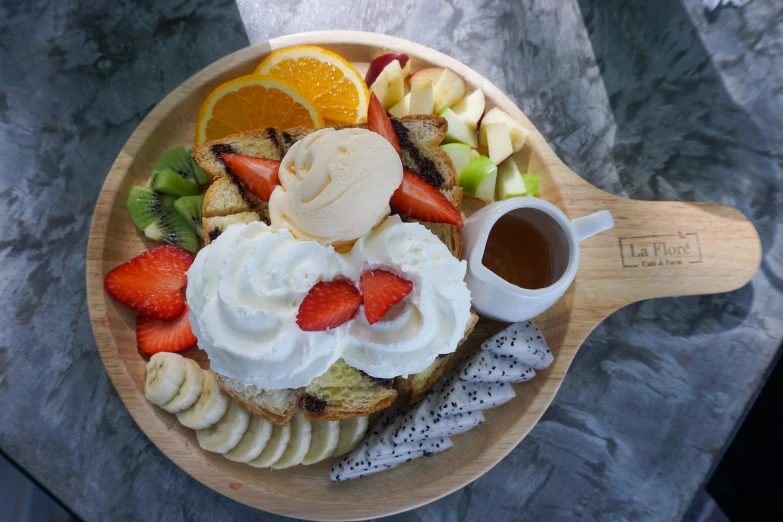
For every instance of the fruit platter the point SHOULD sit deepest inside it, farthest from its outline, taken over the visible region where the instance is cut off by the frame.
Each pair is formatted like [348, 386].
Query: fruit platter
[302, 286]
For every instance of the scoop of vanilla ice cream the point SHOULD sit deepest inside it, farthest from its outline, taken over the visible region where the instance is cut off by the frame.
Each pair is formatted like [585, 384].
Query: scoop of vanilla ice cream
[335, 185]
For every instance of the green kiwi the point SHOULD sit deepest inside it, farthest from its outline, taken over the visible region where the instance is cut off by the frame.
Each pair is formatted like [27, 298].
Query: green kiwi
[169, 181]
[144, 206]
[189, 207]
[177, 161]
[155, 214]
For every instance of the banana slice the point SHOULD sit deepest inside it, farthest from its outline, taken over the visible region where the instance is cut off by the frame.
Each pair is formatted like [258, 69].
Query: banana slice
[351, 433]
[274, 448]
[301, 434]
[253, 441]
[189, 391]
[209, 408]
[226, 434]
[165, 374]
[325, 435]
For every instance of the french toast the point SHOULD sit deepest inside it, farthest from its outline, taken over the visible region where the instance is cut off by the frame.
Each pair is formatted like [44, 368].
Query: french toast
[343, 391]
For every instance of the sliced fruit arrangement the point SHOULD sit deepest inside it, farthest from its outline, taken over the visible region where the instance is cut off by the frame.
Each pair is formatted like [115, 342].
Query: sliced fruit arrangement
[438, 90]
[254, 102]
[336, 90]
[451, 407]
[152, 284]
[178, 385]
[169, 209]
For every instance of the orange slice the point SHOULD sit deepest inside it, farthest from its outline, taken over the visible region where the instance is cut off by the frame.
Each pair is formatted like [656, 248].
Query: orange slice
[334, 87]
[253, 102]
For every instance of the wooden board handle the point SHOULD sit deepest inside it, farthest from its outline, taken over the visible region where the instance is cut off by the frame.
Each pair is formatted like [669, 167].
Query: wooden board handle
[665, 248]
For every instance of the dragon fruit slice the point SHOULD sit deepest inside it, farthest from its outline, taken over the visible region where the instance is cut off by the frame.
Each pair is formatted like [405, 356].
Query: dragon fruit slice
[486, 366]
[347, 468]
[384, 450]
[464, 397]
[522, 341]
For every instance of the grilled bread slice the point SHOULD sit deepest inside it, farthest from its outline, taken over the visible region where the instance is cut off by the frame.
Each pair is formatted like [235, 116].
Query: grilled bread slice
[342, 392]
[276, 406]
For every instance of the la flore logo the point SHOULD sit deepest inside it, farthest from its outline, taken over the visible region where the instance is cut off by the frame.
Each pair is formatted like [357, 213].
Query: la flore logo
[660, 250]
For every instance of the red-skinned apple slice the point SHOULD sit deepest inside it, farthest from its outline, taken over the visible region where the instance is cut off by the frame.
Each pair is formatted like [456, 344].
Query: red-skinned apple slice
[380, 63]
[449, 86]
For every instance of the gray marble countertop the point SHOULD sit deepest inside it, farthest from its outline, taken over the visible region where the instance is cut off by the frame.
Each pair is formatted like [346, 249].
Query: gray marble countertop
[651, 100]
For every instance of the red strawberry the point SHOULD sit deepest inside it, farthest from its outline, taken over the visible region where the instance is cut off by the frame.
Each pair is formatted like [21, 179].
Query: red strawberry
[156, 335]
[381, 290]
[259, 175]
[379, 122]
[151, 284]
[420, 200]
[328, 305]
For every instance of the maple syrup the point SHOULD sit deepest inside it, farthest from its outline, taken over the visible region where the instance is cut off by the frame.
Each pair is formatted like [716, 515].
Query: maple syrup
[518, 252]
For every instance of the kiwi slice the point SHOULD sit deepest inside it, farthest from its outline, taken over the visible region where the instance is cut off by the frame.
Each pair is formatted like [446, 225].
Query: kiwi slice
[189, 207]
[177, 161]
[144, 206]
[169, 181]
[155, 214]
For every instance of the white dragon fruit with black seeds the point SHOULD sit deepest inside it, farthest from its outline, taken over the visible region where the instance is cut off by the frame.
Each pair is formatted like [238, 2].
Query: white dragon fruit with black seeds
[522, 341]
[464, 397]
[486, 366]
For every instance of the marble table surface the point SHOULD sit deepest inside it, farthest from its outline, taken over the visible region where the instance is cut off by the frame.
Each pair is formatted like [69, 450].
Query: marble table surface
[650, 100]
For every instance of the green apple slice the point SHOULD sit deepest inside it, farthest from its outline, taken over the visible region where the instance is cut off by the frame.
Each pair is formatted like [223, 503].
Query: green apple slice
[517, 132]
[471, 108]
[402, 108]
[478, 178]
[498, 141]
[532, 184]
[458, 130]
[510, 183]
[422, 97]
[459, 153]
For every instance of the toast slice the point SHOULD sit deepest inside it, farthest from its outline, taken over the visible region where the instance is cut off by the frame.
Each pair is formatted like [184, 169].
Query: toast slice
[342, 392]
[276, 406]
[345, 392]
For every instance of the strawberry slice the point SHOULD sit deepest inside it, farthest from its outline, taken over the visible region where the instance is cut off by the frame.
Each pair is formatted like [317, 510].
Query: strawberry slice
[259, 175]
[381, 290]
[158, 335]
[418, 199]
[151, 284]
[379, 122]
[328, 305]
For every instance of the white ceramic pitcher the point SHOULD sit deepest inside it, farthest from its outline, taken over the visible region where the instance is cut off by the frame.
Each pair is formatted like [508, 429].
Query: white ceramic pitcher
[494, 297]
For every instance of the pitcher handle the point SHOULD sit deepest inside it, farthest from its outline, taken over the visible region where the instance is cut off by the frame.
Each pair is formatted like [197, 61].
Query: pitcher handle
[593, 224]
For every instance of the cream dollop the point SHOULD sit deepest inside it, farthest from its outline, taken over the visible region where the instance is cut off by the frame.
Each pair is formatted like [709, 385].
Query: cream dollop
[335, 185]
[430, 321]
[244, 290]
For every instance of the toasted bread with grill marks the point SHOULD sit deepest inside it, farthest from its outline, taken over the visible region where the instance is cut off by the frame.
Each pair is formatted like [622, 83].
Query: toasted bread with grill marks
[276, 406]
[343, 391]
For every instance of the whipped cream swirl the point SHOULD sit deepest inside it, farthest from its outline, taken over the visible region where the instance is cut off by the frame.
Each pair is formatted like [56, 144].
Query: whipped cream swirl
[244, 291]
[430, 321]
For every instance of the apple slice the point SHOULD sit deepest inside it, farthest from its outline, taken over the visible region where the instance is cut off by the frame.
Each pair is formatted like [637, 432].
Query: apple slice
[517, 132]
[402, 108]
[478, 178]
[471, 108]
[389, 86]
[532, 184]
[380, 63]
[458, 130]
[449, 86]
[422, 97]
[510, 183]
[498, 141]
[460, 155]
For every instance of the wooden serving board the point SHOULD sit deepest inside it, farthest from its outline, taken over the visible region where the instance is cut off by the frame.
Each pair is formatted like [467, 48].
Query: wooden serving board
[656, 249]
